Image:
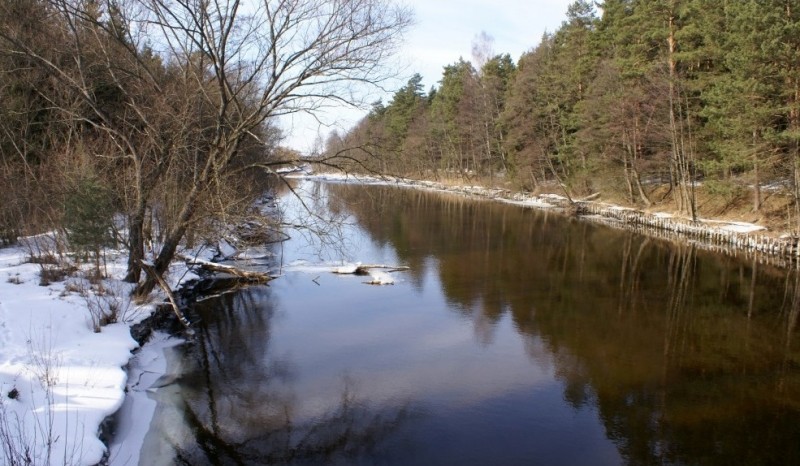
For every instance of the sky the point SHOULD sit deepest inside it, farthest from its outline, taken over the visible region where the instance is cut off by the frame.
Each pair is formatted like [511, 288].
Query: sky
[443, 31]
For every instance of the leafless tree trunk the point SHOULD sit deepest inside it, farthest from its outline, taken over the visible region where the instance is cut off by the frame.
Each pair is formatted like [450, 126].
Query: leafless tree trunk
[273, 58]
[186, 88]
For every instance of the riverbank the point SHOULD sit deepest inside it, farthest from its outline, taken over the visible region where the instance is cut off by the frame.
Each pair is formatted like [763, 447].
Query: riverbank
[724, 236]
[59, 377]
[77, 360]
[65, 350]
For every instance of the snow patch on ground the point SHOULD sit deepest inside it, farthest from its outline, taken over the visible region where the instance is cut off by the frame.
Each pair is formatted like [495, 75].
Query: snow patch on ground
[619, 208]
[736, 227]
[521, 199]
[58, 378]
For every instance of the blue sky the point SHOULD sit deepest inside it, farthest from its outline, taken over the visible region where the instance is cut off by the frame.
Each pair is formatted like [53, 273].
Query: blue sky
[444, 30]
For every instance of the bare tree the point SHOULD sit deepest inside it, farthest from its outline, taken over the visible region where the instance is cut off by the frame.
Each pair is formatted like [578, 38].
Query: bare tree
[263, 60]
[187, 89]
[106, 85]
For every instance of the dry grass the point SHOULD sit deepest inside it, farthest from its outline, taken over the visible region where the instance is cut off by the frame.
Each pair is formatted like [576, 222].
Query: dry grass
[732, 202]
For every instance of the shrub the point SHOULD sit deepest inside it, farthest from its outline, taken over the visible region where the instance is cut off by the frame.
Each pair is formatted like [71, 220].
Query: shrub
[88, 217]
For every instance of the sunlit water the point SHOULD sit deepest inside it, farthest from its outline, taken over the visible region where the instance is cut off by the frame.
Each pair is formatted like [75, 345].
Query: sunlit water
[516, 337]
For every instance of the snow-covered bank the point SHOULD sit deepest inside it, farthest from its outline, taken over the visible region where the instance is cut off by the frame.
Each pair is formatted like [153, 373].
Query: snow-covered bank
[719, 235]
[147, 369]
[62, 370]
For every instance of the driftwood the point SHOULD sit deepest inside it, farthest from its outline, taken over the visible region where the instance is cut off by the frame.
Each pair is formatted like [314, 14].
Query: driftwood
[247, 275]
[365, 268]
[149, 270]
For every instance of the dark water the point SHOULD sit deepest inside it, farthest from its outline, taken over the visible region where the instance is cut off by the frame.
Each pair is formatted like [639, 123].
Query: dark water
[517, 337]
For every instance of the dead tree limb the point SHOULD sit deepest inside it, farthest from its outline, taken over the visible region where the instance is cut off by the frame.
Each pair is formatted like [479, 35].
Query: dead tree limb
[150, 271]
[365, 268]
[249, 275]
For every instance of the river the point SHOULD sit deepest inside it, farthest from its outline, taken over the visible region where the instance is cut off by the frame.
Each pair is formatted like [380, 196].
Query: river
[517, 336]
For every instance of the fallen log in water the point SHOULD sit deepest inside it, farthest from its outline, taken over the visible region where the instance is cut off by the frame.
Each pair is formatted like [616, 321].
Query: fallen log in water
[364, 269]
[379, 277]
[248, 275]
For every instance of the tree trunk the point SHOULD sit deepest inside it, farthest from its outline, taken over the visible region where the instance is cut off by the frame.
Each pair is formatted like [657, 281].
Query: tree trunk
[642, 193]
[169, 248]
[626, 169]
[135, 247]
[136, 238]
[678, 138]
[176, 233]
[757, 178]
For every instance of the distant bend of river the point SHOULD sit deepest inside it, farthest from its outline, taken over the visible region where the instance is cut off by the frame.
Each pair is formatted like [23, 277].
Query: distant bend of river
[518, 336]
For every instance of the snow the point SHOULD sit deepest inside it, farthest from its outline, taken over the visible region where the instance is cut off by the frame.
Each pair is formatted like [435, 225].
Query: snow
[146, 370]
[544, 201]
[737, 227]
[226, 249]
[346, 269]
[64, 379]
[380, 278]
[725, 225]
[376, 276]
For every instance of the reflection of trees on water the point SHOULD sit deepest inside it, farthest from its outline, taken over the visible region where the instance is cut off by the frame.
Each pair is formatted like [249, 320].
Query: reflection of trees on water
[789, 381]
[306, 213]
[238, 401]
[629, 276]
[689, 358]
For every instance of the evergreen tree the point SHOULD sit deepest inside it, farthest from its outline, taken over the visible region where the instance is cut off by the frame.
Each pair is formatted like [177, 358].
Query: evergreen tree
[401, 109]
[496, 76]
[542, 112]
[453, 122]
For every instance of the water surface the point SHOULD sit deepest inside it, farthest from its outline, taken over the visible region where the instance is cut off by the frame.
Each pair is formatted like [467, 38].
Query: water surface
[517, 337]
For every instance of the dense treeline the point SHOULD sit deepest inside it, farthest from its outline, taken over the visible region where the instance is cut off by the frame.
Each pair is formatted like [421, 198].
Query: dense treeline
[92, 125]
[649, 97]
[150, 122]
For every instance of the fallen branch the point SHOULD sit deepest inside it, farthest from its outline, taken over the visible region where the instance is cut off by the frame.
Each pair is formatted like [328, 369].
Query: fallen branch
[249, 275]
[364, 269]
[149, 270]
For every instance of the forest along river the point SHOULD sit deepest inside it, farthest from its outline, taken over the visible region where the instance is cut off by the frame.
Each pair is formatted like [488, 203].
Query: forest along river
[517, 336]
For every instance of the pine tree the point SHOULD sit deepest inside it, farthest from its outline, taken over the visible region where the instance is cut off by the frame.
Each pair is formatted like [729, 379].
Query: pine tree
[453, 118]
[544, 102]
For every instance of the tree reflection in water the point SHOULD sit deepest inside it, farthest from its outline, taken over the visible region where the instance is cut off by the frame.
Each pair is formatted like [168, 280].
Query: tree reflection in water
[236, 404]
[676, 355]
[690, 358]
